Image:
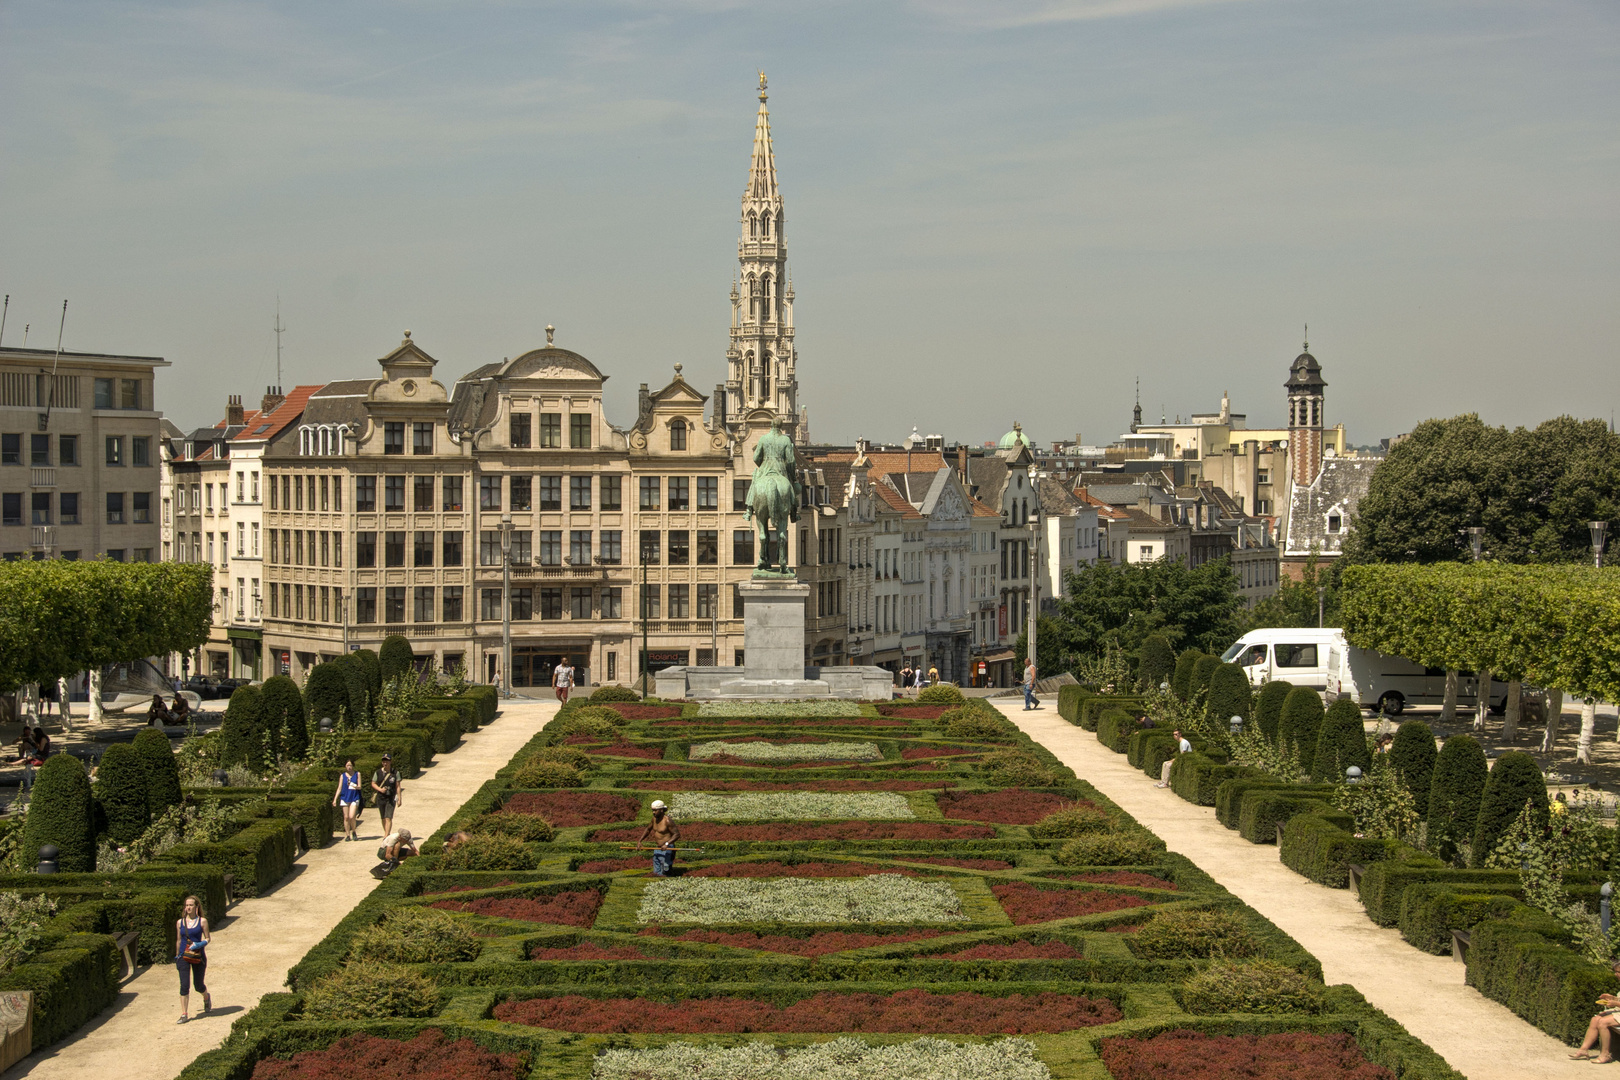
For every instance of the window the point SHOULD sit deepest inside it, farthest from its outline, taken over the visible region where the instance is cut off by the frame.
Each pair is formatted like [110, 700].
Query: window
[70, 508]
[394, 604]
[39, 508]
[394, 494]
[365, 605]
[680, 493]
[115, 452]
[337, 495]
[129, 393]
[394, 443]
[649, 602]
[39, 450]
[256, 488]
[452, 549]
[115, 513]
[365, 495]
[1334, 521]
[522, 604]
[677, 441]
[117, 555]
[650, 543]
[680, 601]
[708, 601]
[579, 492]
[520, 425]
[365, 550]
[337, 548]
[489, 604]
[1296, 656]
[551, 547]
[298, 494]
[680, 547]
[422, 494]
[551, 602]
[579, 547]
[613, 603]
[104, 394]
[550, 431]
[522, 547]
[451, 488]
[424, 604]
[298, 557]
[612, 666]
[275, 602]
[10, 449]
[736, 602]
[739, 494]
[67, 449]
[610, 549]
[649, 493]
[489, 493]
[451, 605]
[708, 547]
[286, 493]
[1255, 655]
[326, 602]
[141, 503]
[610, 488]
[423, 553]
[140, 454]
[489, 548]
[579, 431]
[742, 547]
[549, 493]
[422, 443]
[579, 604]
[522, 492]
[708, 493]
[394, 551]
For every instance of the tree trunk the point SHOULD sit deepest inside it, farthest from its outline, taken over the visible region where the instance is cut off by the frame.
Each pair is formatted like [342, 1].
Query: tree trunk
[1555, 715]
[96, 714]
[63, 705]
[1510, 715]
[1583, 753]
[1484, 686]
[1448, 708]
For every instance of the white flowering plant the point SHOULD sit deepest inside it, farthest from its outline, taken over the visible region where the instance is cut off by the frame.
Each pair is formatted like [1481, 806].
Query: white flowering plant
[877, 898]
[794, 710]
[846, 1058]
[771, 753]
[789, 806]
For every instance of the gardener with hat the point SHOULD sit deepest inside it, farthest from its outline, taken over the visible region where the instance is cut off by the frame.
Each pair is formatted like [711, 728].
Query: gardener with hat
[666, 833]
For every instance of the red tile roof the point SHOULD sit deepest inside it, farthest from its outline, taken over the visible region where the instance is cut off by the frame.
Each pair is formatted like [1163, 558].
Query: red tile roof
[280, 417]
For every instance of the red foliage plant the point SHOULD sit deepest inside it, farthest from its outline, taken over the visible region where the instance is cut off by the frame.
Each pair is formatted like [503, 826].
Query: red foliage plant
[771, 785]
[613, 866]
[1011, 806]
[914, 712]
[429, 1056]
[588, 950]
[852, 721]
[914, 753]
[1193, 1055]
[633, 711]
[698, 831]
[819, 943]
[566, 808]
[467, 888]
[732, 759]
[1025, 903]
[797, 870]
[565, 909]
[626, 749]
[1133, 878]
[965, 864]
[1019, 950]
[907, 1011]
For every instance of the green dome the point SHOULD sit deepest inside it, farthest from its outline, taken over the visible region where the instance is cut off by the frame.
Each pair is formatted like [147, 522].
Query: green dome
[1015, 437]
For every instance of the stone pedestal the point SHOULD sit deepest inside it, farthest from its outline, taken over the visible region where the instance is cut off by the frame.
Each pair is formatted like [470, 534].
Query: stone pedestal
[773, 630]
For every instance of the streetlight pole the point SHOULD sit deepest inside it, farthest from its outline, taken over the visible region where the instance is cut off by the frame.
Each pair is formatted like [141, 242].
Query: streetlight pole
[1034, 566]
[1599, 529]
[1476, 539]
[644, 673]
[506, 603]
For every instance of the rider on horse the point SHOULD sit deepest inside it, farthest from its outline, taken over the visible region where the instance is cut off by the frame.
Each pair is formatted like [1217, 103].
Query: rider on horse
[773, 494]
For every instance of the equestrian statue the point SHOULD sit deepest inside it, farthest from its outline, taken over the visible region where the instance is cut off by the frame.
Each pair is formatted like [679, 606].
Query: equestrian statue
[773, 498]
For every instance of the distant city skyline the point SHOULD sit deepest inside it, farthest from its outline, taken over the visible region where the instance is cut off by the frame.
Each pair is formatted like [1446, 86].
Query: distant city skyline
[995, 214]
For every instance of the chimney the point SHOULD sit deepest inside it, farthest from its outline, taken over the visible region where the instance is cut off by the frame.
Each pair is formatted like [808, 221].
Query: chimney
[233, 411]
[961, 463]
[273, 397]
[719, 413]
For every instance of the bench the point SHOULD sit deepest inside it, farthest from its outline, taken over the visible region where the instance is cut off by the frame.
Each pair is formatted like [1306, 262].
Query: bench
[1279, 833]
[1356, 870]
[230, 889]
[125, 943]
[1459, 946]
[298, 838]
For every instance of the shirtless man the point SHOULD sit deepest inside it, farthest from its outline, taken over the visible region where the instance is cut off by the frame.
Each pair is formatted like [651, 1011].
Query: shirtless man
[666, 833]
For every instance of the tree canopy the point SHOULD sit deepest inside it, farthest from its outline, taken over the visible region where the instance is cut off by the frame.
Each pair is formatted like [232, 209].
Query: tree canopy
[64, 617]
[1122, 605]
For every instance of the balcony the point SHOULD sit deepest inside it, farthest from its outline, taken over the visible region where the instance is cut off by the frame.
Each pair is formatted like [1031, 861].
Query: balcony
[41, 478]
[43, 538]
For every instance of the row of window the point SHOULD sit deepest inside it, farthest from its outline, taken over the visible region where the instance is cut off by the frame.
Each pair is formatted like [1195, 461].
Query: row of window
[122, 508]
[119, 450]
[301, 547]
[289, 492]
[394, 437]
[520, 433]
[512, 491]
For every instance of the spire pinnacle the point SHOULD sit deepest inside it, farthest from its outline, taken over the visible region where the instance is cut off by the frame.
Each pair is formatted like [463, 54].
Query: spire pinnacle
[762, 168]
[762, 88]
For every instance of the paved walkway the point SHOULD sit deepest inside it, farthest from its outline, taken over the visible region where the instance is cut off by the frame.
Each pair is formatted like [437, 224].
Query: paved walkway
[138, 1039]
[1478, 1037]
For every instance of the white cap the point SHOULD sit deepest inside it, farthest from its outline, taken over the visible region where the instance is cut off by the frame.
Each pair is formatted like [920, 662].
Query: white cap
[658, 804]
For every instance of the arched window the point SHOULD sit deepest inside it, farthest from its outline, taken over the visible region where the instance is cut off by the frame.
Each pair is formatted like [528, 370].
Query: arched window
[753, 298]
[765, 225]
[303, 441]
[753, 224]
[766, 305]
[677, 435]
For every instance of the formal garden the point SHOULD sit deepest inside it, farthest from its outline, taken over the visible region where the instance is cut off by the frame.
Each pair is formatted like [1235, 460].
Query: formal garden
[861, 890]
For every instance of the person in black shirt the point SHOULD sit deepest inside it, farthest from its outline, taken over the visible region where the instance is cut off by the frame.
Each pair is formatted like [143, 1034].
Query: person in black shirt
[385, 785]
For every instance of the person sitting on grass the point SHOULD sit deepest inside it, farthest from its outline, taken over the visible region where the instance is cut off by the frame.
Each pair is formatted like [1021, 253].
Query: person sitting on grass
[663, 830]
[1600, 1031]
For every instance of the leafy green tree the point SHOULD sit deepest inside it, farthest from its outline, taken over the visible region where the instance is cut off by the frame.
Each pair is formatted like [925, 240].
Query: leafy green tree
[1268, 706]
[61, 812]
[1229, 694]
[1301, 722]
[326, 695]
[1515, 780]
[371, 664]
[161, 771]
[1181, 680]
[396, 656]
[1155, 661]
[1413, 754]
[120, 788]
[284, 712]
[1341, 742]
[1455, 789]
[1051, 654]
[1203, 671]
[1124, 604]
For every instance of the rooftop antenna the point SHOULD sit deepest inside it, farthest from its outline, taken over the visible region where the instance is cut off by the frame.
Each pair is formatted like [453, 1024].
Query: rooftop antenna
[1307, 347]
[25, 334]
[50, 399]
[278, 329]
[3, 311]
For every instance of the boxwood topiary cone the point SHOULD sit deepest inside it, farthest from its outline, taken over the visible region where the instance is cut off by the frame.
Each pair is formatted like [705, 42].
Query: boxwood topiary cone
[1203, 671]
[1268, 705]
[359, 684]
[120, 787]
[372, 666]
[326, 695]
[1341, 743]
[1413, 753]
[1455, 789]
[1514, 780]
[1181, 678]
[161, 770]
[1155, 661]
[61, 812]
[396, 656]
[1301, 723]
[1229, 694]
[242, 734]
[284, 711]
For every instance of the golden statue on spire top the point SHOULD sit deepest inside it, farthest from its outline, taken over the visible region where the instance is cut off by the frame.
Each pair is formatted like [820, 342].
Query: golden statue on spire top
[761, 86]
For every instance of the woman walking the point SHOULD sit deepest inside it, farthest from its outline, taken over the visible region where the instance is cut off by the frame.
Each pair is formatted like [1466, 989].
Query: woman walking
[348, 795]
[191, 935]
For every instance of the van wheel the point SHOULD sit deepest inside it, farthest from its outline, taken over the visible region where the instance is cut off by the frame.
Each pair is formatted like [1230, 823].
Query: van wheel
[1391, 704]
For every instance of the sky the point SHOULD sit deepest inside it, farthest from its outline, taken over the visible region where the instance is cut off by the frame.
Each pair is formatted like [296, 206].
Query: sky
[995, 211]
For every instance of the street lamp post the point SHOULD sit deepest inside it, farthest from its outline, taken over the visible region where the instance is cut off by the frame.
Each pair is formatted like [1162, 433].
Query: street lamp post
[644, 673]
[506, 603]
[1599, 529]
[1034, 567]
[1476, 538]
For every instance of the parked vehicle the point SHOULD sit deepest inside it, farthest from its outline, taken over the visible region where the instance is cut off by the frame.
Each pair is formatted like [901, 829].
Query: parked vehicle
[1298, 656]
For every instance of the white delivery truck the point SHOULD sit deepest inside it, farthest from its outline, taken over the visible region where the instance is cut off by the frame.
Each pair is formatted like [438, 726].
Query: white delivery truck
[1324, 661]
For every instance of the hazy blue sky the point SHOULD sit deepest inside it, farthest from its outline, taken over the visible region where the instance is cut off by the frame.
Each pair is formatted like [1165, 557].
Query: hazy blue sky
[995, 211]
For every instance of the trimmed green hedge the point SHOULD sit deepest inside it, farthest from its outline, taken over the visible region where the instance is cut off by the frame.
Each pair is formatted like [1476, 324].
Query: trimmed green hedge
[1115, 728]
[1092, 708]
[1320, 846]
[1429, 913]
[257, 857]
[1070, 697]
[72, 980]
[1524, 962]
[1197, 777]
[1262, 811]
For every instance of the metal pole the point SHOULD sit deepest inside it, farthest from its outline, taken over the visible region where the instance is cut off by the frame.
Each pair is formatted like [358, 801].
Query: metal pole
[1034, 568]
[644, 672]
[506, 604]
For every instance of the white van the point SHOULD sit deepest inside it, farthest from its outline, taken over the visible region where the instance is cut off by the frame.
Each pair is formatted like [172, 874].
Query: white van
[1290, 654]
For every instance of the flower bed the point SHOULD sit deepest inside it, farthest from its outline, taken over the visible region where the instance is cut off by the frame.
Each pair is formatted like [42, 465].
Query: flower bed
[1013, 806]
[631, 750]
[799, 870]
[699, 831]
[906, 1011]
[965, 864]
[1193, 1055]
[790, 806]
[914, 712]
[785, 710]
[1118, 877]
[820, 943]
[916, 753]
[1025, 903]
[568, 808]
[634, 711]
[840, 1059]
[467, 888]
[563, 909]
[861, 721]
[771, 785]
[1019, 950]
[879, 898]
[429, 1056]
[769, 753]
[588, 950]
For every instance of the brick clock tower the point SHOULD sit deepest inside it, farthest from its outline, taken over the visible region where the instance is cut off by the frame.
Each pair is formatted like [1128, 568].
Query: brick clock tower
[1305, 385]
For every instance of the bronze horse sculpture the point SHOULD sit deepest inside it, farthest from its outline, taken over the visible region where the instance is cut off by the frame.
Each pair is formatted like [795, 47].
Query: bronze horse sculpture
[773, 497]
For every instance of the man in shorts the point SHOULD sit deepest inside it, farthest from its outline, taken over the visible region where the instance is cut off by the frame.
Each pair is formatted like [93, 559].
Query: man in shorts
[386, 792]
[562, 680]
[665, 834]
[397, 846]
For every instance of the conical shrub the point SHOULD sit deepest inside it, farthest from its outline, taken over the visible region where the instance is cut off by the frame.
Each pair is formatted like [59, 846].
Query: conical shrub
[396, 656]
[1455, 790]
[61, 812]
[1341, 743]
[1229, 694]
[284, 713]
[326, 695]
[1301, 723]
[371, 664]
[1203, 671]
[1515, 779]
[1412, 754]
[1268, 704]
[161, 770]
[1181, 678]
[121, 789]
[241, 736]
[1155, 661]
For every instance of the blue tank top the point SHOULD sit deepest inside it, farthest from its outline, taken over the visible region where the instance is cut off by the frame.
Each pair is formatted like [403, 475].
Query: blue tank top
[351, 787]
[190, 933]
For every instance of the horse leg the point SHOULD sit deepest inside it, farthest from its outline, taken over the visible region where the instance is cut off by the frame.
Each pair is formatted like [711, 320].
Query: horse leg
[763, 524]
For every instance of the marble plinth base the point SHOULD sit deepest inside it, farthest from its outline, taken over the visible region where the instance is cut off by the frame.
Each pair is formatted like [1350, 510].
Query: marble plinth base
[773, 630]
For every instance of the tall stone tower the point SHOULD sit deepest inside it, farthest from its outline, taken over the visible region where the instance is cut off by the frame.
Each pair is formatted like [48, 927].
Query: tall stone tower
[1305, 385]
[760, 361]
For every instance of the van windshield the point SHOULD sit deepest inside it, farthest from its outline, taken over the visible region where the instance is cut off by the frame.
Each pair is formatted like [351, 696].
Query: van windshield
[1237, 647]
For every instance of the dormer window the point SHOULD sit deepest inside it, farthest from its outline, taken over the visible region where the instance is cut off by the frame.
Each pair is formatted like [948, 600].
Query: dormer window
[677, 435]
[1335, 523]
